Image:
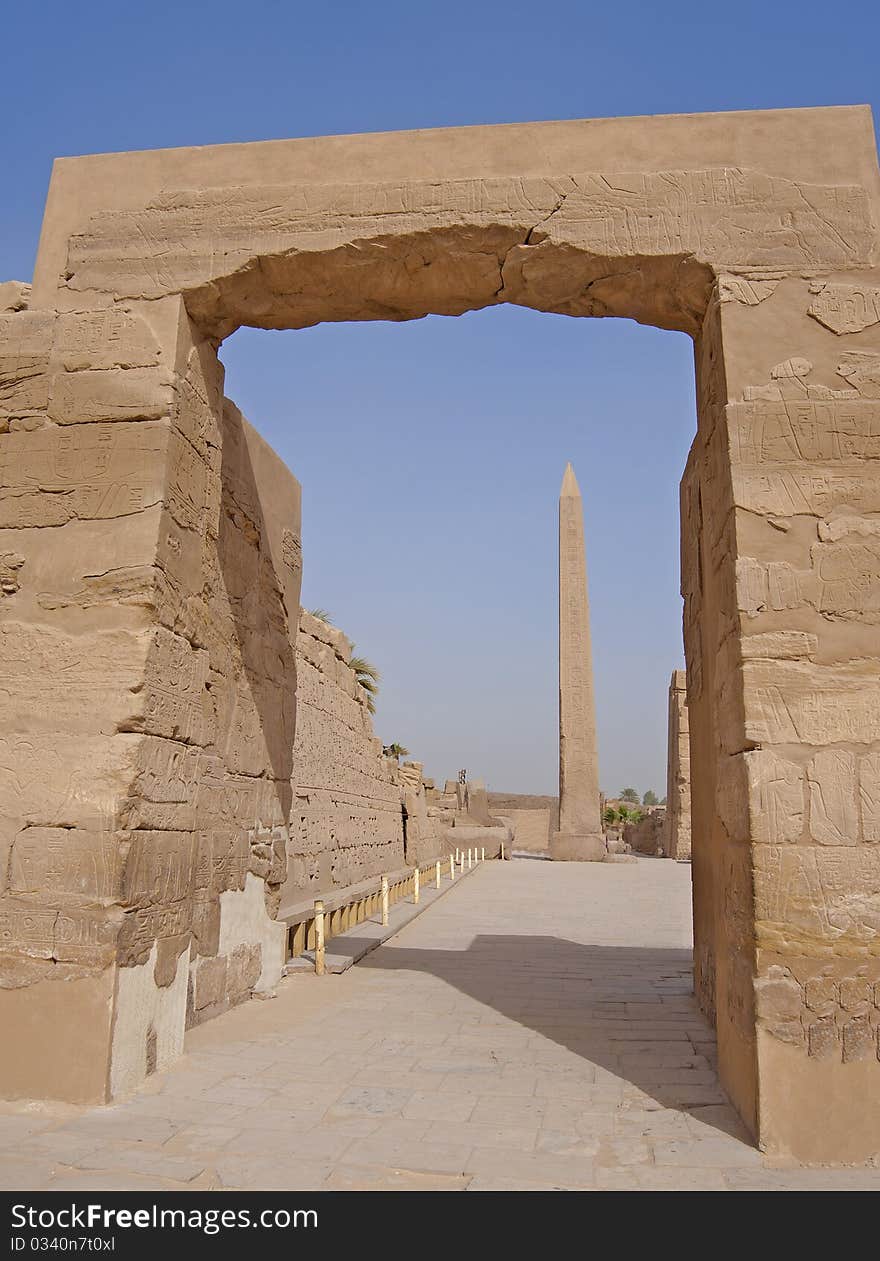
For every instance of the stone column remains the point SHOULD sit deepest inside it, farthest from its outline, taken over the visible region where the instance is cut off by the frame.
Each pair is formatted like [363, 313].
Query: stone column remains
[580, 836]
[677, 839]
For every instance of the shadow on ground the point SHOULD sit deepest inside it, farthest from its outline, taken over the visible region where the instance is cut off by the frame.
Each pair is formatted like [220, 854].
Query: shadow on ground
[628, 1010]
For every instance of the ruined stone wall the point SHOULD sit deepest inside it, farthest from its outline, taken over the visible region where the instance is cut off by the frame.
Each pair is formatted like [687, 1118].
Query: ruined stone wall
[677, 840]
[531, 829]
[150, 545]
[347, 816]
[646, 836]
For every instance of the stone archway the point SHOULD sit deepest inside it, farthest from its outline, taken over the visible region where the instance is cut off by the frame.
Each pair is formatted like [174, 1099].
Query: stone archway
[148, 722]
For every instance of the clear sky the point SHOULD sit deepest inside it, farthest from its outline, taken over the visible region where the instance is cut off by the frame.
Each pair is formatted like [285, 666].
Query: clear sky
[431, 453]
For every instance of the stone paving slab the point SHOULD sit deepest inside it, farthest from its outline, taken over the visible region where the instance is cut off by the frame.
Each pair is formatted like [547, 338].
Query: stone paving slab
[533, 1030]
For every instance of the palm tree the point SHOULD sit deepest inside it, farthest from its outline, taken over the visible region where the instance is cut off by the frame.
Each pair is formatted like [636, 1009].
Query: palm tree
[397, 751]
[367, 676]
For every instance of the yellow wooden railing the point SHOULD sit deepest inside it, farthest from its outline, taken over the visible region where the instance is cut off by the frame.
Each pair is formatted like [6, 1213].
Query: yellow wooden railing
[311, 924]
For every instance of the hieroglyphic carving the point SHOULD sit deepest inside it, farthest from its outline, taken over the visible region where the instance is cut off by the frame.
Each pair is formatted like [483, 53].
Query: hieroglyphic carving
[25, 347]
[11, 564]
[86, 936]
[111, 338]
[176, 701]
[788, 431]
[747, 290]
[736, 217]
[760, 798]
[159, 869]
[846, 308]
[818, 900]
[869, 796]
[861, 370]
[834, 818]
[848, 577]
[830, 1009]
[790, 702]
[66, 863]
[89, 396]
[55, 475]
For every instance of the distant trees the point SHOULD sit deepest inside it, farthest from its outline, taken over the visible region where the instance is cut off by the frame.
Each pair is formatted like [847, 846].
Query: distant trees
[622, 815]
[630, 794]
[650, 798]
[395, 750]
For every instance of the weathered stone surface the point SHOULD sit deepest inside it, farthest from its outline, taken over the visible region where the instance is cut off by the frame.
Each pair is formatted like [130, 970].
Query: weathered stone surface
[846, 308]
[647, 836]
[347, 820]
[834, 817]
[580, 827]
[14, 295]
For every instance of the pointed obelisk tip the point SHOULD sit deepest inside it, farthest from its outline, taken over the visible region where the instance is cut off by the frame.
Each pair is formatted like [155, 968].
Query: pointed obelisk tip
[569, 483]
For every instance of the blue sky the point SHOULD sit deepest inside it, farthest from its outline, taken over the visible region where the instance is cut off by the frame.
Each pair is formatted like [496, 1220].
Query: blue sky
[431, 453]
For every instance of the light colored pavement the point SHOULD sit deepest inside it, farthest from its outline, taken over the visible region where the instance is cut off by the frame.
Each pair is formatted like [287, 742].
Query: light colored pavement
[534, 1029]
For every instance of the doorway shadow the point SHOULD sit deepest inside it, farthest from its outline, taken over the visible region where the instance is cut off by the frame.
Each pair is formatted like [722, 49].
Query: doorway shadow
[625, 1009]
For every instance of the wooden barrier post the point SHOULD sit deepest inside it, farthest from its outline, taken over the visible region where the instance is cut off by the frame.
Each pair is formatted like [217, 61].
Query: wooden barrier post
[384, 901]
[415, 886]
[483, 854]
[470, 860]
[319, 937]
[502, 850]
[437, 875]
[451, 867]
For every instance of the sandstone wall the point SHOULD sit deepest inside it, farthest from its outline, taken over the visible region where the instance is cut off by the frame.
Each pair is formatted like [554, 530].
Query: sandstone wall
[150, 576]
[347, 820]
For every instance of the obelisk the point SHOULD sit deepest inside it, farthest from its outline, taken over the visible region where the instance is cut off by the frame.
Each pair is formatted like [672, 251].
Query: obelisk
[580, 836]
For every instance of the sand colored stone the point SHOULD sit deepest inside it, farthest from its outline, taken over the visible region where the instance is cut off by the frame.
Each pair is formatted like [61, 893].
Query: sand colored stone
[150, 545]
[580, 836]
[677, 833]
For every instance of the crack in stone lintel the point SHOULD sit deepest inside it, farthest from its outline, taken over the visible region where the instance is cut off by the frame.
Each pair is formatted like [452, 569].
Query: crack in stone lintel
[536, 227]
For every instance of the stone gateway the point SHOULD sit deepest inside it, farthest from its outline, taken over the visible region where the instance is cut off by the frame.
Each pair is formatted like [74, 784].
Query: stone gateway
[149, 558]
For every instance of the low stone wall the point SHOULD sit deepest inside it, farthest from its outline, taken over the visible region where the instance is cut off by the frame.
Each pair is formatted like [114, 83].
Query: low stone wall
[531, 829]
[532, 818]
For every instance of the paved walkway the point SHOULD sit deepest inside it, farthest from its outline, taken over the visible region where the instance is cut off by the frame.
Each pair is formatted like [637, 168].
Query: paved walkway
[533, 1029]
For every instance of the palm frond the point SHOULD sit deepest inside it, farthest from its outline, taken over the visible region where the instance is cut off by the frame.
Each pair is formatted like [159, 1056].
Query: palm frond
[321, 614]
[364, 668]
